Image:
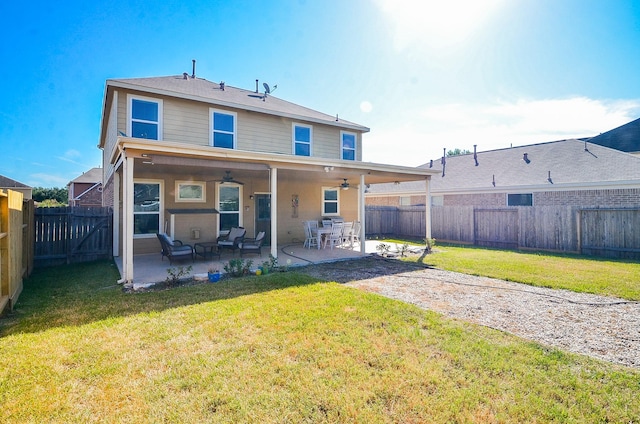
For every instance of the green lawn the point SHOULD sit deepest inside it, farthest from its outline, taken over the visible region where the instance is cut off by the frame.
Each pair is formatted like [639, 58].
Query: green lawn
[606, 277]
[278, 348]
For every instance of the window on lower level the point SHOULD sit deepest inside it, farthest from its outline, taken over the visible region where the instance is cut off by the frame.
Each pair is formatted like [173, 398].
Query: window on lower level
[525, 199]
[229, 196]
[146, 208]
[302, 139]
[330, 202]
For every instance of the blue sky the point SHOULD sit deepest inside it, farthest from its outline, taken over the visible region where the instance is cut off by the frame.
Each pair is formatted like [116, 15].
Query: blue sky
[423, 75]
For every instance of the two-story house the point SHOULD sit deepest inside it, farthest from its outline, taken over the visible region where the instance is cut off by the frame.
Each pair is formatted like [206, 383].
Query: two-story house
[193, 158]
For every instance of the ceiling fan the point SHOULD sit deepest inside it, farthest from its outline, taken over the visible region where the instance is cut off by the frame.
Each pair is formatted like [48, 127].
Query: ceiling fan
[344, 185]
[227, 178]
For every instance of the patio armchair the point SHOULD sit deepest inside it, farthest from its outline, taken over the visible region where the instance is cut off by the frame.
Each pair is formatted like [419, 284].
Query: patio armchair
[232, 239]
[174, 249]
[252, 245]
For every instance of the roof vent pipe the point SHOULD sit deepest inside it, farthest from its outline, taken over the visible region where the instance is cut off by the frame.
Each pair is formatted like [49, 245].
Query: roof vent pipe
[185, 75]
[525, 158]
[193, 72]
[256, 85]
[475, 155]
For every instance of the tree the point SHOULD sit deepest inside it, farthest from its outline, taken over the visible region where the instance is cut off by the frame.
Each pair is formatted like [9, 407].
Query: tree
[50, 196]
[457, 152]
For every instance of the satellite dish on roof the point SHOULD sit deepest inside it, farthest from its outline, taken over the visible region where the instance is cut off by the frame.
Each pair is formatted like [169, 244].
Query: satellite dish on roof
[267, 89]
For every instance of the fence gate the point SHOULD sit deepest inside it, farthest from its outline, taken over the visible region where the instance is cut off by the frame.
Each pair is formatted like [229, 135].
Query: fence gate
[72, 234]
[496, 228]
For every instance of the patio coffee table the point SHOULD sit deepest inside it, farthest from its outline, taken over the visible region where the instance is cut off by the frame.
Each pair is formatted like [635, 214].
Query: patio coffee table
[206, 249]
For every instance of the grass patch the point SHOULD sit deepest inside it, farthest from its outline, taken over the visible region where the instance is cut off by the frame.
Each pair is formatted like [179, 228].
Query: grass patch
[278, 348]
[606, 277]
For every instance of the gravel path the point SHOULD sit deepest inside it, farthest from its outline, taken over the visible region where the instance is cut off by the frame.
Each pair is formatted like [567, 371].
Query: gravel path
[602, 327]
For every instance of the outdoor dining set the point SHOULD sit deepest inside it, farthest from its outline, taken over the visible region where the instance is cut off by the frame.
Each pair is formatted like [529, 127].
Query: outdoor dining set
[332, 232]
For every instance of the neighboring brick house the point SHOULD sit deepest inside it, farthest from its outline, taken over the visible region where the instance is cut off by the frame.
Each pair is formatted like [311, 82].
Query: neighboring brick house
[193, 158]
[9, 184]
[545, 188]
[86, 190]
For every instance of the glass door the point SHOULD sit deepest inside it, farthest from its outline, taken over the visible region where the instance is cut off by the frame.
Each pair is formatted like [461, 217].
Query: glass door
[263, 215]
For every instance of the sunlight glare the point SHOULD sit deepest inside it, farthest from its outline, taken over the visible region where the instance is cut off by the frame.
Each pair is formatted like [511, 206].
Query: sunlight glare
[434, 23]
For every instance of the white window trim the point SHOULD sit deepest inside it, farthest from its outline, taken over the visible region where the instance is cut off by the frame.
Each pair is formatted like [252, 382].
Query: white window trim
[130, 98]
[201, 184]
[235, 126]
[322, 209]
[355, 144]
[293, 137]
[240, 204]
[161, 206]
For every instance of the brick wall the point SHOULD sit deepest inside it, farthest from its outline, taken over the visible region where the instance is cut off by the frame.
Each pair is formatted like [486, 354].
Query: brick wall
[607, 198]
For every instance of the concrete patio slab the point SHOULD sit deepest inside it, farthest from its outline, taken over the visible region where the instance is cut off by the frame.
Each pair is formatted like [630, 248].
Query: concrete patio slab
[150, 269]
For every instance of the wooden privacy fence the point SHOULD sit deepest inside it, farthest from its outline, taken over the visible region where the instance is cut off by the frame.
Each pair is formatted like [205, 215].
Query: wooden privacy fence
[599, 232]
[610, 232]
[16, 245]
[72, 234]
[391, 220]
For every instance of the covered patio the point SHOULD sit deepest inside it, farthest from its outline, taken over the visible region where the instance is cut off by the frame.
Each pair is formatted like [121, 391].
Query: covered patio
[150, 268]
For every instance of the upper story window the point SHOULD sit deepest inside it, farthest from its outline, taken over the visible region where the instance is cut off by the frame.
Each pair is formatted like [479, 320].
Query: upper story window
[302, 139]
[223, 129]
[520, 199]
[348, 145]
[145, 117]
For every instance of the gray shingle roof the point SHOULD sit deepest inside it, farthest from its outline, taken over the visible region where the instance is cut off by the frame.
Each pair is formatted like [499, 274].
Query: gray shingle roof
[6, 182]
[94, 175]
[201, 89]
[566, 162]
[625, 138]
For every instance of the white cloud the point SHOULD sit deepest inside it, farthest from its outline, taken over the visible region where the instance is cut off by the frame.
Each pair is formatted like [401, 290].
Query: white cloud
[493, 126]
[47, 180]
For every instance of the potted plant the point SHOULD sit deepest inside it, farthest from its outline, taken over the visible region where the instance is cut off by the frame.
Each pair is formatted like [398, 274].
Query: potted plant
[213, 274]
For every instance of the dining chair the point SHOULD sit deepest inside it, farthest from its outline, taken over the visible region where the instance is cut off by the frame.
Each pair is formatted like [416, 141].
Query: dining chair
[311, 237]
[347, 227]
[335, 237]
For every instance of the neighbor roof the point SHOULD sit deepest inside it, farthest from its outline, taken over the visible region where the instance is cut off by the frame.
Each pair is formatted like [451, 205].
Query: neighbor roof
[6, 182]
[625, 137]
[567, 163]
[94, 175]
[200, 89]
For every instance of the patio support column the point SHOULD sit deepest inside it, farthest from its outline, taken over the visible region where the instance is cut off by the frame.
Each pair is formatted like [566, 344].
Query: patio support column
[116, 214]
[361, 214]
[127, 219]
[427, 208]
[274, 211]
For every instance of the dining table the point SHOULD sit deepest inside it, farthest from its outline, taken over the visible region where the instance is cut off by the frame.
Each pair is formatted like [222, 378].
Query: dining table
[321, 231]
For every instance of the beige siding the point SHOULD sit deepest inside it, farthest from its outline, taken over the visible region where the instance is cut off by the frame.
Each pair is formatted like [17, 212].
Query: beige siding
[188, 122]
